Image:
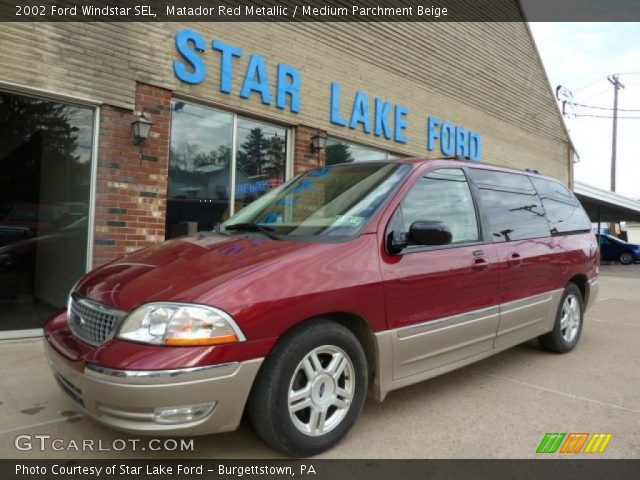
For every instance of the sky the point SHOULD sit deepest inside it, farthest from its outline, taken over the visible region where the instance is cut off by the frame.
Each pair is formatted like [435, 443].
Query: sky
[580, 56]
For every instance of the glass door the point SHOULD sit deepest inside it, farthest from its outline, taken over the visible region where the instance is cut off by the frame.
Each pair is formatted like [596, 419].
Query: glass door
[45, 182]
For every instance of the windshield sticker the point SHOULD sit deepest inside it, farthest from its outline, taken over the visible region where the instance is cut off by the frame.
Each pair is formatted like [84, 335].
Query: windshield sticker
[350, 220]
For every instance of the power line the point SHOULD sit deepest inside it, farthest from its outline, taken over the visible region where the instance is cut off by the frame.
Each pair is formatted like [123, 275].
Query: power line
[607, 116]
[604, 108]
[597, 94]
[588, 84]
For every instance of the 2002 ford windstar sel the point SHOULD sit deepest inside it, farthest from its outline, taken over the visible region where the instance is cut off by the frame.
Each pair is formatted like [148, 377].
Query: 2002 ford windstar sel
[346, 279]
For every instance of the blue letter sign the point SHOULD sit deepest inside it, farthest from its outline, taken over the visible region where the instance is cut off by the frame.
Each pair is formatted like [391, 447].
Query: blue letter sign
[226, 63]
[256, 79]
[383, 119]
[183, 37]
[454, 140]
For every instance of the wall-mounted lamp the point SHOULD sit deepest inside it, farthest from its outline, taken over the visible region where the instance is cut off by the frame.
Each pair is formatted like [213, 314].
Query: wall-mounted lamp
[319, 141]
[141, 129]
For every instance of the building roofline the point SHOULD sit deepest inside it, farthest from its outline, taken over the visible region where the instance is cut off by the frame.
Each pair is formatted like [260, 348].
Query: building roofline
[546, 76]
[606, 196]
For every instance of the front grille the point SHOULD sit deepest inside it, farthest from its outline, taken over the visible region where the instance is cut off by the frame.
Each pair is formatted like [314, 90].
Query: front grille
[93, 322]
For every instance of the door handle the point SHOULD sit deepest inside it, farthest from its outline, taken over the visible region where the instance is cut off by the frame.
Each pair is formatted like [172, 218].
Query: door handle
[514, 259]
[480, 264]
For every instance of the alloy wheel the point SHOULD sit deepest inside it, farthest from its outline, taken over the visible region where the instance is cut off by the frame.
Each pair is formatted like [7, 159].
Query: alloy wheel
[321, 390]
[570, 318]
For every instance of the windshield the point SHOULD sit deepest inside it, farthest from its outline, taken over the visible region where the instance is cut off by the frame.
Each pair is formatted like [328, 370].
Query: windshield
[335, 201]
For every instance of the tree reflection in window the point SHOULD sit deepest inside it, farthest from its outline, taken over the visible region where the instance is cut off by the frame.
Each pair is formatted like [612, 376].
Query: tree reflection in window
[260, 160]
[200, 176]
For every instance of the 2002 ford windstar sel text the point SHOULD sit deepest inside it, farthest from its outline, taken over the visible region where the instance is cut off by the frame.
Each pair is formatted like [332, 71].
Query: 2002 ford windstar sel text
[346, 279]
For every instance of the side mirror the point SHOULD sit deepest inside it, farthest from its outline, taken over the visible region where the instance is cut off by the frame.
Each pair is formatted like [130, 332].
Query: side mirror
[422, 232]
[429, 233]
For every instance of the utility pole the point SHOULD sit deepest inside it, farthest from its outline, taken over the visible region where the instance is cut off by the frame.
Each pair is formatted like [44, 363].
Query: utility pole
[616, 86]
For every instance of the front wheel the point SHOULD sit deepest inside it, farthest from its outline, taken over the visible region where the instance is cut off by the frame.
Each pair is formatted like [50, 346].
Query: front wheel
[626, 258]
[310, 390]
[568, 325]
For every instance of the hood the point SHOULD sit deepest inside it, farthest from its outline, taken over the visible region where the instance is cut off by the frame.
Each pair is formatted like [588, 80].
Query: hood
[182, 270]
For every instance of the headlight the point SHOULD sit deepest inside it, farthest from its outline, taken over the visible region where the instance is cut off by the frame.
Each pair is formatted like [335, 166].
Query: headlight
[180, 324]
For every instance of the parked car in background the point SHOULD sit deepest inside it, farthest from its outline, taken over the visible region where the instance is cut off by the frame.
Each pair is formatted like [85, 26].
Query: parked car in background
[27, 220]
[54, 255]
[349, 278]
[614, 249]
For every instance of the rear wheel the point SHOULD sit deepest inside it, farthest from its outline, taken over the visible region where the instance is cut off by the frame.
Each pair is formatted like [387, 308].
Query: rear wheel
[568, 326]
[626, 258]
[310, 389]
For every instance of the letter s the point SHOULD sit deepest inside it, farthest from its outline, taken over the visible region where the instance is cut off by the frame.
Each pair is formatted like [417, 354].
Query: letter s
[183, 37]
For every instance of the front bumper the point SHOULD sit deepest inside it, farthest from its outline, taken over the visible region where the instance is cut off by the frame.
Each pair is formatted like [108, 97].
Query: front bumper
[126, 400]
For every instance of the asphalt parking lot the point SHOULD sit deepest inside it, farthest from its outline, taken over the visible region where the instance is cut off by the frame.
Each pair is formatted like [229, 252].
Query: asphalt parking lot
[498, 408]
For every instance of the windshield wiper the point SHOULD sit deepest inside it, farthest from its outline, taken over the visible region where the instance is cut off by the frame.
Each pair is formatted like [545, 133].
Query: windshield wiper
[253, 227]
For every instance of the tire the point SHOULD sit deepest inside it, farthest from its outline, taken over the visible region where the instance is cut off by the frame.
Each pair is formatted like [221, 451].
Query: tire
[626, 258]
[291, 367]
[568, 325]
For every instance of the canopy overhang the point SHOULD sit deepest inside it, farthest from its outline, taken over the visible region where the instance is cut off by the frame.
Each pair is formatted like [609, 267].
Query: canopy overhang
[606, 206]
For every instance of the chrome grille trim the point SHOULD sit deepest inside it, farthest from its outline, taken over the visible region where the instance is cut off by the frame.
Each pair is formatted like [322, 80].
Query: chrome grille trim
[93, 322]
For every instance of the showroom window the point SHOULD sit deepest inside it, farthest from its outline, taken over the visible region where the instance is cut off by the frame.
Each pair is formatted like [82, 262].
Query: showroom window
[219, 162]
[339, 151]
[46, 152]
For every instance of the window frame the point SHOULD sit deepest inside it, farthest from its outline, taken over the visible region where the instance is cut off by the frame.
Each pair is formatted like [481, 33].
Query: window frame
[480, 220]
[244, 115]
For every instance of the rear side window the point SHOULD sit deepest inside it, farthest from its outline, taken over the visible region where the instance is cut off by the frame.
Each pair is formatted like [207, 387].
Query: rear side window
[564, 211]
[511, 204]
[441, 195]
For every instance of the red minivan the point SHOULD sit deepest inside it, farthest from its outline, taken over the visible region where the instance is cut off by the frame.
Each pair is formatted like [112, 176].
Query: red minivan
[346, 280]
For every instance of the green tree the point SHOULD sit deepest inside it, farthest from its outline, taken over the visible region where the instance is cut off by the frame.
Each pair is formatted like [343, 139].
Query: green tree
[338, 153]
[253, 152]
[276, 155]
[39, 137]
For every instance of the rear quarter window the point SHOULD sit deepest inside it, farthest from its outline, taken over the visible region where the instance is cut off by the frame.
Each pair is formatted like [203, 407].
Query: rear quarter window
[564, 211]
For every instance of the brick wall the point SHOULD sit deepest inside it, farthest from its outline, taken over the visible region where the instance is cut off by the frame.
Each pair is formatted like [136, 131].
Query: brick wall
[304, 157]
[131, 188]
[485, 76]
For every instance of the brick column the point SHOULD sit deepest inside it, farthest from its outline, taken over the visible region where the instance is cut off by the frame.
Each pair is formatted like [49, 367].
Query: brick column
[131, 190]
[304, 157]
